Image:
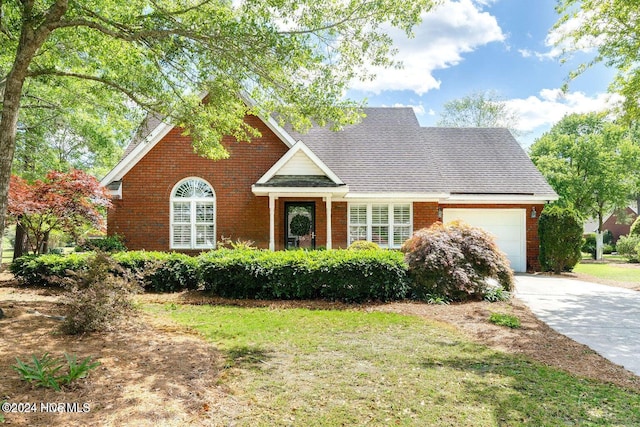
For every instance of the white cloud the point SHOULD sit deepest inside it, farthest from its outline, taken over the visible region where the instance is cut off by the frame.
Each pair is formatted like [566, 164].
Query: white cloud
[551, 105]
[559, 41]
[447, 32]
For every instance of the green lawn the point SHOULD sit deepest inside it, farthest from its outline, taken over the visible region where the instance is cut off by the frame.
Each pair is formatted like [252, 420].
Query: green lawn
[630, 273]
[330, 367]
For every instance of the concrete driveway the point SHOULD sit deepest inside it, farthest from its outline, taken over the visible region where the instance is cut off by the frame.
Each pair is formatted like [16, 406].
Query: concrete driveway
[605, 318]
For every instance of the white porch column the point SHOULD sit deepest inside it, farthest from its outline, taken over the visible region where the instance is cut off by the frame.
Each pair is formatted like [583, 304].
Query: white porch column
[327, 201]
[272, 222]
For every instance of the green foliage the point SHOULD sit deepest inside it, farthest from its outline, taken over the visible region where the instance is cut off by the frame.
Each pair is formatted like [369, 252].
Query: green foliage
[635, 228]
[49, 269]
[589, 244]
[360, 245]
[160, 271]
[300, 225]
[455, 261]
[611, 27]
[496, 293]
[48, 372]
[629, 247]
[97, 299]
[507, 320]
[113, 243]
[587, 159]
[560, 233]
[479, 109]
[350, 276]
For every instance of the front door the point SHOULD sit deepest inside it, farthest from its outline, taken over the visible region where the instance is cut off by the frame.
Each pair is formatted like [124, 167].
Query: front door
[300, 225]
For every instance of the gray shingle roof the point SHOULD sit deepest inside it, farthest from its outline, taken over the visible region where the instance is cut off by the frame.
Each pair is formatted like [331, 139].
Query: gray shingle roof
[389, 152]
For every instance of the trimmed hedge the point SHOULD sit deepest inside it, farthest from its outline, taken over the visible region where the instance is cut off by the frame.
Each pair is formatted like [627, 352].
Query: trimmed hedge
[155, 271]
[349, 276]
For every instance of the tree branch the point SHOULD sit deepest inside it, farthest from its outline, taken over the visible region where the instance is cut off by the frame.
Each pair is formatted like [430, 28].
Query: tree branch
[106, 82]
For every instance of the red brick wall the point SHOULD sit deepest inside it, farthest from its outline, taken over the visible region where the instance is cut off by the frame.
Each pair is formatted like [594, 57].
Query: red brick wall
[142, 215]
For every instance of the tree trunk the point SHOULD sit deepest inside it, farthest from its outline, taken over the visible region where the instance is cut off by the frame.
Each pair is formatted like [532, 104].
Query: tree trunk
[21, 241]
[31, 39]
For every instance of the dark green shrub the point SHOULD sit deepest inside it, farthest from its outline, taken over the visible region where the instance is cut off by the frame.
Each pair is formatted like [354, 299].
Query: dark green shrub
[359, 245]
[98, 297]
[47, 270]
[160, 271]
[560, 233]
[589, 244]
[349, 276]
[628, 246]
[455, 261]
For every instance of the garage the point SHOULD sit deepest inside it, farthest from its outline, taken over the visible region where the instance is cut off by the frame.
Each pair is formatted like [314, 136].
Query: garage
[508, 226]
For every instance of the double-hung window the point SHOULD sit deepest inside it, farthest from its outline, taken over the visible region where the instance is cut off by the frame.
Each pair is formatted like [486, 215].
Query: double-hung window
[193, 215]
[387, 224]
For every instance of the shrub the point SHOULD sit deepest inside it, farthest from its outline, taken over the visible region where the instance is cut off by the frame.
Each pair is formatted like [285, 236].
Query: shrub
[608, 249]
[589, 244]
[628, 246]
[359, 245]
[635, 228]
[113, 243]
[349, 276]
[160, 271]
[97, 298]
[455, 261]
[560, 232]
[48, 372]
[47, 270]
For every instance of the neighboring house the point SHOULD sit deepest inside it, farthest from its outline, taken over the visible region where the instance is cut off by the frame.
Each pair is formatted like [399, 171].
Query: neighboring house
[618, 225]
[379, 180]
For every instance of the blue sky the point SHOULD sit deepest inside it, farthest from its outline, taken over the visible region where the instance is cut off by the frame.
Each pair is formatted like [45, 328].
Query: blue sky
[504, 46]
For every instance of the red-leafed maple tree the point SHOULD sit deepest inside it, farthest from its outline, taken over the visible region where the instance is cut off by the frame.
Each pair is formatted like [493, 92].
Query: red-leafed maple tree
[62, 201]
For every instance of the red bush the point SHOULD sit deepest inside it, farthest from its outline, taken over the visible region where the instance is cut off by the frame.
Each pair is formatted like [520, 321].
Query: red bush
[455, 261]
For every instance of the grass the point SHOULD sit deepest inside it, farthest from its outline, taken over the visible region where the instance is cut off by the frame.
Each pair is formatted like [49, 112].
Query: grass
[609, 272]
[329, 367]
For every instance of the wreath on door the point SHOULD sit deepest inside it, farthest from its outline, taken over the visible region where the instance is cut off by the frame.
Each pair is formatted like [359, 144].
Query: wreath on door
[300, 225]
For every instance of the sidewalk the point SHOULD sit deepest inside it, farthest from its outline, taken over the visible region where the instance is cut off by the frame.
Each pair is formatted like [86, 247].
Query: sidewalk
[605, 318]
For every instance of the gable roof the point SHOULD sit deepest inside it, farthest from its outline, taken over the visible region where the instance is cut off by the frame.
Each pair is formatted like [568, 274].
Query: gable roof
[390, 155]
[388, 152]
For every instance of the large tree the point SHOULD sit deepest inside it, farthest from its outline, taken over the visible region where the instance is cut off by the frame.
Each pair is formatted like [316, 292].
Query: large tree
[291, 57]
[612, 28]
[479, 109]
[587, 160]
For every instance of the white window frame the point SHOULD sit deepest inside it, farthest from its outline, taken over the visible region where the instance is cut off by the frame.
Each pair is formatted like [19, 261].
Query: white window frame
[193, 203]
[391, 224]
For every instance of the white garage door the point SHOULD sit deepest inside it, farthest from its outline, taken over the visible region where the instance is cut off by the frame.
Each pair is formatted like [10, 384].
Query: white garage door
[508, 226]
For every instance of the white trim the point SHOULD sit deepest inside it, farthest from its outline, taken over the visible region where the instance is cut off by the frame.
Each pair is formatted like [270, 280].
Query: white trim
[299, 146]
[192, 207]
[160, 131]
[141, 150]
[299, 191]
[500, 198]
[327, 203]
[272, 222]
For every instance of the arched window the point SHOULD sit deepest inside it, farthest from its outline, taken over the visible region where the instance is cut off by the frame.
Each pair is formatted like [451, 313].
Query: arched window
[193, 215]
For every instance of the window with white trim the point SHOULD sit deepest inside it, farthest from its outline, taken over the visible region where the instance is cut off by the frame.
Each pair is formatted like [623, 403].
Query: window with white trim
[388, 225]
[193, 215]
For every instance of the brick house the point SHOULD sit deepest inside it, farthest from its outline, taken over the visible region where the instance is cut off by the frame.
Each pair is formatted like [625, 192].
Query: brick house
[378, 180]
